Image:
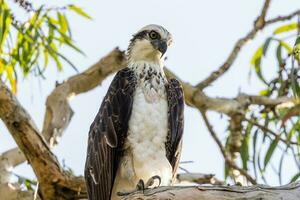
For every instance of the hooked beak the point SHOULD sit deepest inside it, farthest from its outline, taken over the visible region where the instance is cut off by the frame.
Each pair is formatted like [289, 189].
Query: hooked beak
[161, 46]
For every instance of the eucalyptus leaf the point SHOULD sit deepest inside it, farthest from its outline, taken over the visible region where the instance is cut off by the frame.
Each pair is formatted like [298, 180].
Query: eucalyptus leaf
[286, 28]
[270, 151]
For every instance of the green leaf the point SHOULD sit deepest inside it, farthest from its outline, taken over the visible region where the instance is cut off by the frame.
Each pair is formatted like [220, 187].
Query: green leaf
[295, 84]
[62, 22]
[264, 92]
[245, 146]
[257, 55]
[256, 62]
[46, 58]
[296, 50]
[254, 151]
[68, 61]
[79, 11]
[53, 53]
[226, 170]
[270, 151]
[1, 66]
[266, 45]
[4, 27]
[10, 75]
[286, 28]
[286, 46]
[295, 177]
[279, 55]
[297, 40]
[258, 71]
[69, 28]
[28, 184]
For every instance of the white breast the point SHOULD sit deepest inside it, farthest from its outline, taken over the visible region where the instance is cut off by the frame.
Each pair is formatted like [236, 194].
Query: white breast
[147, 133]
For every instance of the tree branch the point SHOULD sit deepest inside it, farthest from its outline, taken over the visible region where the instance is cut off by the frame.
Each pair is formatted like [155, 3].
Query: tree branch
[58, 111]
[45, 165]
[198, 178]
[8, 160]
[227, 158]
[195, 97]
[55, 124]
[287, 192]
[10, 191]
[282, 18]
[265, 129]
[259, 24]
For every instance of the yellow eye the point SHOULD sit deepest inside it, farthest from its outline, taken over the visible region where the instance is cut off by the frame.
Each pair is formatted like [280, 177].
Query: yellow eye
[153, 35]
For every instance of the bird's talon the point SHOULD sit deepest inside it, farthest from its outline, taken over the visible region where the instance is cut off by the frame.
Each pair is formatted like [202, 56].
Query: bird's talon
[140, 185]
[150, 182]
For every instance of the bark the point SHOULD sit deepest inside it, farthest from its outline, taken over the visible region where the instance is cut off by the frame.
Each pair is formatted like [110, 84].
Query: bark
[50, 175]
[258, 192]
[10, 191]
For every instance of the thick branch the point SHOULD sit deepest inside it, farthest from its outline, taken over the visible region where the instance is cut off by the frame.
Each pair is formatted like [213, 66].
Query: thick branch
[58, 111]
[45, 165]
[195, 97]
[14, 192]
[288, 192]
[8, 160]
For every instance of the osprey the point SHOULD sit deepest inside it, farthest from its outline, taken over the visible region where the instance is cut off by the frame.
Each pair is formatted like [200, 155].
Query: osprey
[136, 136]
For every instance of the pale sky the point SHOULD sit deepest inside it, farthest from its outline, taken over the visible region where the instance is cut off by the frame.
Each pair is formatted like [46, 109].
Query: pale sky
[204, 32]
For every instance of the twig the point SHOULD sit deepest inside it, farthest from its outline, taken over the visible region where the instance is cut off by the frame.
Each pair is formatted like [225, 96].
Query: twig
[223, 151]
[199, 178]
[260, 23]
[282, 18]
[270, 131]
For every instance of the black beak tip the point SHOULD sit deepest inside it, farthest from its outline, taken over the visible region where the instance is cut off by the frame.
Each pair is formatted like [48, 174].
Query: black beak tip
[162, 48]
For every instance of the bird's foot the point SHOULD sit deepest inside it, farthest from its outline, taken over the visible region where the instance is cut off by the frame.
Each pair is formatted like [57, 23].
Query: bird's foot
[151, 181]
[142, 186]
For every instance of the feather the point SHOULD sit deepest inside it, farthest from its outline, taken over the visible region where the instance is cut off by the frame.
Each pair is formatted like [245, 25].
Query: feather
[107, 134]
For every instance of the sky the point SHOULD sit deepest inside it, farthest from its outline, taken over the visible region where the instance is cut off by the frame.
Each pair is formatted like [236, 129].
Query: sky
[204, 33]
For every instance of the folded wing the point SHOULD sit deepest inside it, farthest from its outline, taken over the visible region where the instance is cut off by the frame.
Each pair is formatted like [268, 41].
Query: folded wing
[107, 134]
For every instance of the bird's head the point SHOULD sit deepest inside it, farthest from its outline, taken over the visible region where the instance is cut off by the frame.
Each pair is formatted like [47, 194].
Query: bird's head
[149, 44]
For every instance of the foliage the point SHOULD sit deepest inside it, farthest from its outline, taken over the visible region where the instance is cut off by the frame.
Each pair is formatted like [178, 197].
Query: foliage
[268, 130]
[30, 44]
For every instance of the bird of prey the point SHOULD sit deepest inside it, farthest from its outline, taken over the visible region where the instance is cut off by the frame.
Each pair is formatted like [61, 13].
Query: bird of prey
[136, 136]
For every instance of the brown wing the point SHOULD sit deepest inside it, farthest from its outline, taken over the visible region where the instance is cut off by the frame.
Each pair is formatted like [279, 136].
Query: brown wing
[107, 134]
[176, 121]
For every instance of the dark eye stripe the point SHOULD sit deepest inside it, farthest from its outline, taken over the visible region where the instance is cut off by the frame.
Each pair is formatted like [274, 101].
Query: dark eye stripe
[139, 35]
